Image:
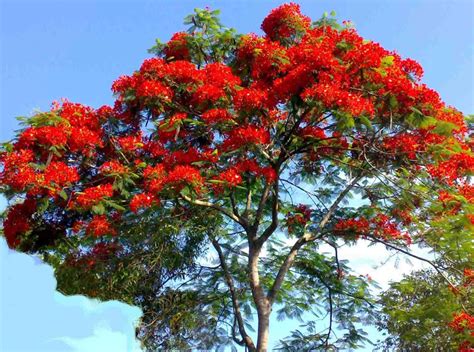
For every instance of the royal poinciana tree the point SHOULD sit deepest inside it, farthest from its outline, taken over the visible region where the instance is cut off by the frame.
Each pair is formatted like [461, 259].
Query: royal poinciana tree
[217, 187]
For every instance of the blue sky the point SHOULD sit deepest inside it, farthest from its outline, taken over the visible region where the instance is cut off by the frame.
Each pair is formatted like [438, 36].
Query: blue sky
[75, 49]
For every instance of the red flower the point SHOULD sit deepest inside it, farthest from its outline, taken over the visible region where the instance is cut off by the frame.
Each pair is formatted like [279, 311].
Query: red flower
[113, 167]
[299, 218]
[142, 200]
[247, 135]
[462, 321]
[93, 195]
[131, 143]
[18, 221]
[231, 177]
[468, 277]
[177, 47]
[100, 226]
[60, 175]
[124, 83]
[46, 135]
[83, 138]
[216, 115]
[154, 89]
[183, 175]
[285, 21]
[153, 172]
[17, 172]
[358, 226]
[250, 99]
[312, 132]
[80, 115]
[208, 93]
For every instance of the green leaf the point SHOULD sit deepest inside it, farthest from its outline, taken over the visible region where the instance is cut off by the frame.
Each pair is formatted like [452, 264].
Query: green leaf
[98, 209]
[393, 102]
[63, 194]
[43, 205]
[366, 121]
[387, 61]
[114, 205]
[444, 128]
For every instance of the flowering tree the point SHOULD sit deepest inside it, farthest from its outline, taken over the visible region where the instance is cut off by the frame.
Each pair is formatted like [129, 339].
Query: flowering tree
[247, 147]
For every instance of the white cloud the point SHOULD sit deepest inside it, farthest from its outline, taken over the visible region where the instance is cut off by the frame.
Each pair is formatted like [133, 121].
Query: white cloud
[36, 318]
[104, 339]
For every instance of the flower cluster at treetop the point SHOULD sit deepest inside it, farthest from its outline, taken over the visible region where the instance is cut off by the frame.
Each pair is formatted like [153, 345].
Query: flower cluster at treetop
[208, 124]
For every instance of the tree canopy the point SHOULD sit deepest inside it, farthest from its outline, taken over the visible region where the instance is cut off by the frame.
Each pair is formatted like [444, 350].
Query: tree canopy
[218, 189]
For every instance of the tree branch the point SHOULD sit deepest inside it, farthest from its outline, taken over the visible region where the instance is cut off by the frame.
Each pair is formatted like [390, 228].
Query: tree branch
[274, 224]
[373, 239]
[224, 211]
[290, 258]
[235, 303]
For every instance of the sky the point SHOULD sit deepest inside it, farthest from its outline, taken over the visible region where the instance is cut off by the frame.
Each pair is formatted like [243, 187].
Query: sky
[76, 49]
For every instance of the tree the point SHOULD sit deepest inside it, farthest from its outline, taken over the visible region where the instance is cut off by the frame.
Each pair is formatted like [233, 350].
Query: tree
[418, 313]
[210, 148]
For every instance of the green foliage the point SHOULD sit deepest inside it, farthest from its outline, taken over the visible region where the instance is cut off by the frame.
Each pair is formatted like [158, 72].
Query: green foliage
[416, 313]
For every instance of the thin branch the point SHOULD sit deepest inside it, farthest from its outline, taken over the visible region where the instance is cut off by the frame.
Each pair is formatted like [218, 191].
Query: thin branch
[310, 194]
[290, 258]
[235, 210]
[235, 303]
[326, 341]
[274, 224]
[373, 239]
[224, 211]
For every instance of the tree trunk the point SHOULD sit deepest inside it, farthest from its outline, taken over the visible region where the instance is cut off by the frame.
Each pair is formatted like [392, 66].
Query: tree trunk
[261, 301]
[263, 328]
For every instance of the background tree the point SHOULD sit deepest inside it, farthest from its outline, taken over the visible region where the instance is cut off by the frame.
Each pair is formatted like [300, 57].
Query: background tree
[429, 309]
[210, 147]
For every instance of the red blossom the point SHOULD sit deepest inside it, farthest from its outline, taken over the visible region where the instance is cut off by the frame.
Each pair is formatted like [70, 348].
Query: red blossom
[455, 166]
[141, 201]
[298, 218]
[83, 138]
[177, 47]
[461, 322]
[100, 226]
[154, 89]
[208, 94]
[153, 172]
[312, 132]
[247, 135]
[285, 21]
[250, 99]
[216, 115]
[358, 226]
[60, 174]
[17, 172]
[468, 277]
[113, 167]
[231, 177]
[18, 221]
[80, 115]
[93, 195]
[130, 143]
[183, 175]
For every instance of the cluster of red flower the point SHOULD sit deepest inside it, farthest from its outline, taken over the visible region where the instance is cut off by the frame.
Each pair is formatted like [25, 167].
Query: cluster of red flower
[92, 196]
[298, 218]
[380, 226]
[463, 323]
[18, 221]
[100, 226]
[142, 201]
[284, 95]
